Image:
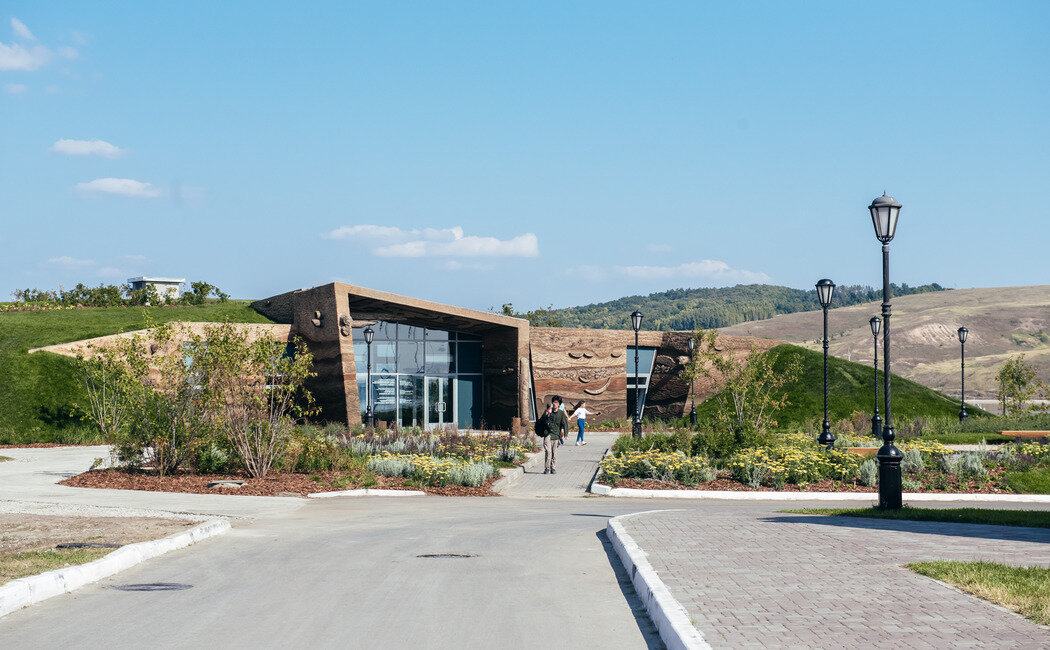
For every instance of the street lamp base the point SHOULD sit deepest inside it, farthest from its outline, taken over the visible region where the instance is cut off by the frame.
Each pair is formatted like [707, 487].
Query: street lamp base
[692, 417]
[876, 427]
[636, 429]
[826, 438]
[963, 415]
[890, 477]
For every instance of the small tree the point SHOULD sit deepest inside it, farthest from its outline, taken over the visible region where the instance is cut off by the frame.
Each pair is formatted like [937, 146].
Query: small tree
[1018, 383]
[256, 390]
[751, 391]
[108, 381]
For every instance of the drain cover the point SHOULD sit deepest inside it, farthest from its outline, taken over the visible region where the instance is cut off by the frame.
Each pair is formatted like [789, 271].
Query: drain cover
[154, 586]
[86, 545]
[428, 555]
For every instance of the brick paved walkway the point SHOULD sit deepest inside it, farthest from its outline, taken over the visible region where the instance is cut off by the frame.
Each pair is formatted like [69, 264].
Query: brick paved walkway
[751, 577]
[576, 467]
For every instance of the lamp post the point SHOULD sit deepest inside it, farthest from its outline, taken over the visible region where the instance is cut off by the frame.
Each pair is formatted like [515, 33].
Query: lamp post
[825, 291]
[369, 334]
[884, 213]
[962, 372]
[636, 429]
[876, 421]
[692, 393]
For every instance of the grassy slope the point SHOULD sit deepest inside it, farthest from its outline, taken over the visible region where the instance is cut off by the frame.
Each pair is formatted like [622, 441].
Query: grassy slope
[850, 388]
[40, 397]
[14, 565]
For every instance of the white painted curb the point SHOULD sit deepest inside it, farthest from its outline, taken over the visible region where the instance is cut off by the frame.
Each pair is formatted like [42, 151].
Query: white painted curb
[668, 615]
[27, 591]
[368, 492]
[742, 495]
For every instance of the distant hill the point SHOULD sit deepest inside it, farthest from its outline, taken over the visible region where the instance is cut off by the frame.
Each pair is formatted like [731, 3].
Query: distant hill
[689, 309]
[1003, 321]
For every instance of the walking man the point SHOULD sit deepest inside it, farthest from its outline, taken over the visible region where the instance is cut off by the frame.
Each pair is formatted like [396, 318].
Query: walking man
[557, 425]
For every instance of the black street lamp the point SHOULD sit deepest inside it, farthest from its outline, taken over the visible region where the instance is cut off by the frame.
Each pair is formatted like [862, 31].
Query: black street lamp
[369, 333]
[692, 393]
[884, 212]
[876, 421]
[962, 371]
[825, 291]
[636, 429]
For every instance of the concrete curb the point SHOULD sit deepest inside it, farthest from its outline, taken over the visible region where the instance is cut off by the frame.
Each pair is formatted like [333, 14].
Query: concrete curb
[33, 589]
[512, 475]
[742, 495]
[667, 614]
[367, 492]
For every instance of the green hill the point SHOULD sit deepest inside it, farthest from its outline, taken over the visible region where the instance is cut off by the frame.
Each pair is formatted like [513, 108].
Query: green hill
[40, 397]
[850, 388]
[689, 309]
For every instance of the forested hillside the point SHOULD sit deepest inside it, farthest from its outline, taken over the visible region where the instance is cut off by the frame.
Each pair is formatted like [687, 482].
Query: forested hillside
[688, 309]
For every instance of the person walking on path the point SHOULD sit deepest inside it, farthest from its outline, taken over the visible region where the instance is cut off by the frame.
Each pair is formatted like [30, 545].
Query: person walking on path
[581, 414]
[555, 426]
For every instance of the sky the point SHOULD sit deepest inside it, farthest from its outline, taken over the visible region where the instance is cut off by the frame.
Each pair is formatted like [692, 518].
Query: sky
[534, 153]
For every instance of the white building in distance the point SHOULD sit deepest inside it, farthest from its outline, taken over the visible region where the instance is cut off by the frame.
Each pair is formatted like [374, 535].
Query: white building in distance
[166, 288]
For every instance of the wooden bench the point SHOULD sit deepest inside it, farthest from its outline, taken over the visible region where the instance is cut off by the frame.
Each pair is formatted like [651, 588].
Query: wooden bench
[1025, 434]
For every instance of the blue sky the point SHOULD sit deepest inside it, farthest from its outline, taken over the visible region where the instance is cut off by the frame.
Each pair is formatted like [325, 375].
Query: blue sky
[539, 153]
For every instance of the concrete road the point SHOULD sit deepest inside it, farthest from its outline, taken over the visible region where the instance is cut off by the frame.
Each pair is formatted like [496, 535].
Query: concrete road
[346, 573]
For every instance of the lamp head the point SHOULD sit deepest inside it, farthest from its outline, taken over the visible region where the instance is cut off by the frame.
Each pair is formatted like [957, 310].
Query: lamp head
[636, 320]
[876, 325]
[884, 212]
[962, 334]
[369, 333]
[825, 291]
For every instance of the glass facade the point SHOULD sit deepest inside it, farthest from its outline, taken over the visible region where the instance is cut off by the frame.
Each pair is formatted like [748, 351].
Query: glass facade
[646, 358]
[421, 377]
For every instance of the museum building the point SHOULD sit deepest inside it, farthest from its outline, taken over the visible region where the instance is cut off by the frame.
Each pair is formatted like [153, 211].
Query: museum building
[435, 365]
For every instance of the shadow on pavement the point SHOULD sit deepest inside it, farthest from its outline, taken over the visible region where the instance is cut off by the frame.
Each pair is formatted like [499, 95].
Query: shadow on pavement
[981, 531]
[641, 617]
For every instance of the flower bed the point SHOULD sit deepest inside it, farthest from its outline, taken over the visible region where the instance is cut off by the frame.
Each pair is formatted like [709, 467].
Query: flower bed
[656, 465]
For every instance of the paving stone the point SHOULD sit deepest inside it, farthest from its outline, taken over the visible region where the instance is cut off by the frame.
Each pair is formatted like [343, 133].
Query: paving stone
[752, 577]
[575, 468]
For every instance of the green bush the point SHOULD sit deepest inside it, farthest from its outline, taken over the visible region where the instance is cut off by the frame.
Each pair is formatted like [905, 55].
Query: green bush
[1033, 481]
[868, 472]
[665, 442]
[214, 459]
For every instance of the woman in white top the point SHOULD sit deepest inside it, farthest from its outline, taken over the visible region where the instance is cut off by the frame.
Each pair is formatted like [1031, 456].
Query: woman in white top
[581, 421]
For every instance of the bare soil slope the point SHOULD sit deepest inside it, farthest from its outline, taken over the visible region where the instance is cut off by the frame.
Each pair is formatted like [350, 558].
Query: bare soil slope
[1003, 321]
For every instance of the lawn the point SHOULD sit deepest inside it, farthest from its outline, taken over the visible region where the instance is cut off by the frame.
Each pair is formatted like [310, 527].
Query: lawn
[1026, 518]
[20, 564]
[1025, 590]
[40, 397]
[963, 438]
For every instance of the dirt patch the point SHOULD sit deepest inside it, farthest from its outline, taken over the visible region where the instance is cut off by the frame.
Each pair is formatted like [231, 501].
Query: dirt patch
[24, 532]
[275, 485]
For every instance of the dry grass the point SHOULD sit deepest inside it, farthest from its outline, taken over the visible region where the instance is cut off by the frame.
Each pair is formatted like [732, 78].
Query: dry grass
[4, 458]
[21, 564]
[1025, 590]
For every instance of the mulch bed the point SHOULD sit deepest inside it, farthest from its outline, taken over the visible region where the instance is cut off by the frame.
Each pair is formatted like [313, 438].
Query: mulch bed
[285, 484]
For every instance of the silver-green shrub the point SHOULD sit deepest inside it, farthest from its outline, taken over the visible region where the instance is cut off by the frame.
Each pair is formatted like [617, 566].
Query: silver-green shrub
[471, 474]
[973, 464]
[913, 461]
[869, 472]
[911, 485]
[394, 467]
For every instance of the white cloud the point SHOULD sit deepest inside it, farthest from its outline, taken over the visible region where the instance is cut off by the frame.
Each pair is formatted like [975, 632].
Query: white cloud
[659, 248]
[16, 57]
[21, 31]
[713, 270]
[15, 89]
[68, 52]
[111, 272]
[68, 262]
[120, 187]
[86, 148]
[389, 241]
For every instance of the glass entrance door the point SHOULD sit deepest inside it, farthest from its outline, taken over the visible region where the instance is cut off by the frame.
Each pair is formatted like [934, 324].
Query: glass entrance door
[441, 402]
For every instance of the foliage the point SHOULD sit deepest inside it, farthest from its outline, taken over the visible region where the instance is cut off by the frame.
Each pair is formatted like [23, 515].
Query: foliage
[1018, 383]
[791, 464]
[658, 465]
[707, 308]
[42, 398]
[1032, 481]
[255, 391]
[868, 472]
[20, 564]
[1025, 590]
[111, 295]
[751, 391]
[537, 318]
[665, 442]
[430, 470]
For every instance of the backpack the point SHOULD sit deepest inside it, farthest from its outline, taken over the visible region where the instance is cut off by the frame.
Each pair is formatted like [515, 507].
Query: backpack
[541, 425]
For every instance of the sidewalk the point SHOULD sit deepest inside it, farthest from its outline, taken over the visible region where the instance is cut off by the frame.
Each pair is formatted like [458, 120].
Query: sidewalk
[752, 577]
[576, 466]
